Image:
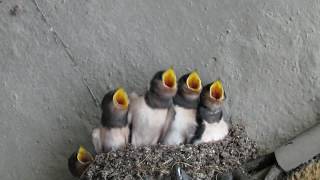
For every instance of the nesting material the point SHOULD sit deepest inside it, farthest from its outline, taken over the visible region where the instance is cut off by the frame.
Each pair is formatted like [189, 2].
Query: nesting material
[199, 161]
[308, 171]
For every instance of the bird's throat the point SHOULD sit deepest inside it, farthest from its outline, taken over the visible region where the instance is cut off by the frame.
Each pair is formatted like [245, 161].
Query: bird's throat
[186, 103]
[155, 101]
[211, 116]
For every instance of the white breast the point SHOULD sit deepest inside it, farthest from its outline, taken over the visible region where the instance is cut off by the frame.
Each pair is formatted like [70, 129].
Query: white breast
[183, 126]
[147, 123]
[105, 140]
[214, 131]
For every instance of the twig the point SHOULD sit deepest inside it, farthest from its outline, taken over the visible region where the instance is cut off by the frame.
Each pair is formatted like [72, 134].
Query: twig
[168, 161]
[108, 156]
[143, 160]
[181, 163]
[139, 176]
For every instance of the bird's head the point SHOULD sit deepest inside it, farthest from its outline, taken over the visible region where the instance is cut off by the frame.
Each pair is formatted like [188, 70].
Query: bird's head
[164, 84]
[84, 156]
[114, 107]
[213, 94]
[190, 86]
[120, 99]
[79, 161]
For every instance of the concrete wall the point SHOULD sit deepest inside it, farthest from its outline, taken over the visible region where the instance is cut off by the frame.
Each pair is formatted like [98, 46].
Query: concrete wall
[52, 52]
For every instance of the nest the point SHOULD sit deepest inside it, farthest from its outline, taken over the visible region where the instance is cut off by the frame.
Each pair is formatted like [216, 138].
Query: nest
[309, 170]
[203, 161]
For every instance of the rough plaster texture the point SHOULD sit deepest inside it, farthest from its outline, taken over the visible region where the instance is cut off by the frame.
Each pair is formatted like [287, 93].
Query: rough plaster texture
[52, 52]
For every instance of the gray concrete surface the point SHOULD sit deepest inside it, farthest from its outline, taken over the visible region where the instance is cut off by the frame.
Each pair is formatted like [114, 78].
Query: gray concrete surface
[53, 52]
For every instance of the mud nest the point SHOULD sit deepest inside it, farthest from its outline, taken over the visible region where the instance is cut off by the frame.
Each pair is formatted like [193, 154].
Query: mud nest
[309, 170]
[199, 161]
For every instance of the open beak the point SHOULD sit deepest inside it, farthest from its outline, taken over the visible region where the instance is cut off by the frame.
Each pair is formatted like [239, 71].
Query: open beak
[194, 82]
[121, 99]
[83, 156]
[217, 91]
[169, 78]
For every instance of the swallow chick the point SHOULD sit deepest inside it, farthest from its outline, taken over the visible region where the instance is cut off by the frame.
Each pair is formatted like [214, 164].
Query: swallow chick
[79, 161]
[115, 131]
[210, 114]
[149, 114]
[184, 124]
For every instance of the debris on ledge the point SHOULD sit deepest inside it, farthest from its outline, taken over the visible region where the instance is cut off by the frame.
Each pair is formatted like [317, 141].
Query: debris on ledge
[199, 161]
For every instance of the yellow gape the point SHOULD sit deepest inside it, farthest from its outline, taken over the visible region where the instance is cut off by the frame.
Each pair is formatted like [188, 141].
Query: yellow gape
[84, 156]
[169, 78]
[120, 98]
[194, 82]
[217, 91]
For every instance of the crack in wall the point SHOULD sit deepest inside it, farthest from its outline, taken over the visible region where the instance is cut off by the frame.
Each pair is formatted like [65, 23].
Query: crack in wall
[55, 34]
[66, 49]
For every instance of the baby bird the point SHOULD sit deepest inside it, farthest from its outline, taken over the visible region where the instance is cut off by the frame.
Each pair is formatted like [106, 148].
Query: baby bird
[150, 114]
[115, 131]
[79, 161]
[210, 114]
[186, 101]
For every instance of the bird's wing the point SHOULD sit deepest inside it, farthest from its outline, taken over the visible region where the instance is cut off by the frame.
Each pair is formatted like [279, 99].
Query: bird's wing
[96, 140]
[169, 118]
